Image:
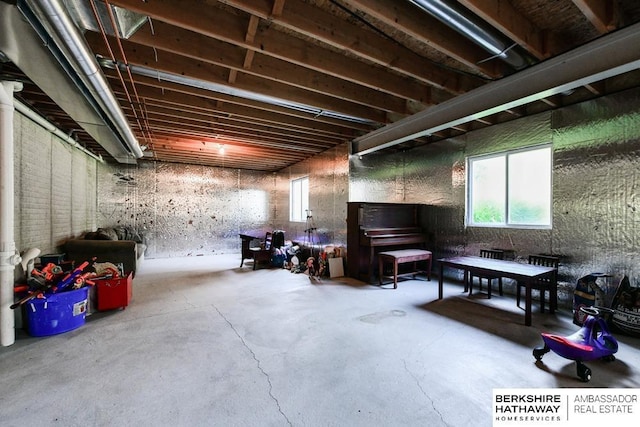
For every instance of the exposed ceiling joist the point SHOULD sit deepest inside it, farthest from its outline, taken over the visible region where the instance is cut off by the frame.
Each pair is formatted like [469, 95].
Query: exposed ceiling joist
[279, 81]
[505, 18]
[601, 13]
[560, 74]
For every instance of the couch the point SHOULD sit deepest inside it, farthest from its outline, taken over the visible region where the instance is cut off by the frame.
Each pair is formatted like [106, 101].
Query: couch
[116, 245]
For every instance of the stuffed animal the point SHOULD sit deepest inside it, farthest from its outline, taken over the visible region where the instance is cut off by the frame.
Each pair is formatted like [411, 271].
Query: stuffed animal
[311, 269]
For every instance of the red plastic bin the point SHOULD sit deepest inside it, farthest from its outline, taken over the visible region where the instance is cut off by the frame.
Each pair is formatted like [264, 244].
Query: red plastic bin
[114, 293]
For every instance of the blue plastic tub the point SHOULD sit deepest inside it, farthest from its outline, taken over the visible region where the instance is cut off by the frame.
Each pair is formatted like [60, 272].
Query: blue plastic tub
[57, 313]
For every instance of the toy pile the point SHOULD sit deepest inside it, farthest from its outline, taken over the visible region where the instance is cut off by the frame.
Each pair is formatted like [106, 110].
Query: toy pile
[626, 306]
[51, 279]
[588, 293]
[314, 267]
[623, 299]
[54, 300]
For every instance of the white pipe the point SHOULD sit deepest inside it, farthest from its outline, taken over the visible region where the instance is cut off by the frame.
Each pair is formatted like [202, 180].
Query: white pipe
[20, 107]
[8, 256]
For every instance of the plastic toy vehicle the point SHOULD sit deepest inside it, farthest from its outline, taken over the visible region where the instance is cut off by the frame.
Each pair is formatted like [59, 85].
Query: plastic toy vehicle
[592, 341]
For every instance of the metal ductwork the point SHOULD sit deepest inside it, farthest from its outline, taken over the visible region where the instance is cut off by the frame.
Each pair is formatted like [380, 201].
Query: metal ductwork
[42, 63]
[463, 21]
[230, 90]
[126, 21]
[53, 17]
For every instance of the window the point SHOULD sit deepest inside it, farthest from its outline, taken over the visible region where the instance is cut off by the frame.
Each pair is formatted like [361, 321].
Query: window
[299, 199]
[511, 189]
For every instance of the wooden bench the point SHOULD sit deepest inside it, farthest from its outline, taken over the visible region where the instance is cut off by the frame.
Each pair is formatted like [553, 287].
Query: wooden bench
[404, 256]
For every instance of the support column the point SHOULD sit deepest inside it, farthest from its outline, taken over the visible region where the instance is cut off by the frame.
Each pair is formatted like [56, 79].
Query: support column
[9, 258]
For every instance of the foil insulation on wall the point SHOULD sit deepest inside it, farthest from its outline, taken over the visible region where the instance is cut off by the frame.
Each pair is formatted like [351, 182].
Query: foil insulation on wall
[328, 175]
[188, 210]
[595, 183]
[185, 210]
[376, 178]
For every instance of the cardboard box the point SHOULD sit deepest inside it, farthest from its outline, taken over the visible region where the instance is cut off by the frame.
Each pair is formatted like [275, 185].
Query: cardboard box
[114, 293]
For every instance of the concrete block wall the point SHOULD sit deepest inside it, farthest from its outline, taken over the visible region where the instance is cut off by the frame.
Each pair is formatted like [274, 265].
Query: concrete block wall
[55, 188]
[182, 210]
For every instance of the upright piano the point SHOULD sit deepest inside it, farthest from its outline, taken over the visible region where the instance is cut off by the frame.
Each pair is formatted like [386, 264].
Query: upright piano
[375, 227]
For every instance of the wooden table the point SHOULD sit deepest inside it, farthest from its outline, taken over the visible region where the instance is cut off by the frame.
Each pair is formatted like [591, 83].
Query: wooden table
[403, 256]
[525, 273]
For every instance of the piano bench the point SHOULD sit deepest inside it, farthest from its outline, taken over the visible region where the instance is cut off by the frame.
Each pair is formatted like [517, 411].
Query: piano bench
[403, 256]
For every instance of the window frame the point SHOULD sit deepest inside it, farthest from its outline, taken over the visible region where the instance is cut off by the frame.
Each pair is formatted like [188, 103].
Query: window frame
[302, 196]
[505, 154]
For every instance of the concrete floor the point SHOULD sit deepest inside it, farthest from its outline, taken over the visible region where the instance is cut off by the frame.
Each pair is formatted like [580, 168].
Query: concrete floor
[206, 343]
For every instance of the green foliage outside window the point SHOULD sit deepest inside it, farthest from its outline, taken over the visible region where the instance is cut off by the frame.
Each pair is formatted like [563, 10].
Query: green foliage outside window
[488, 213]
[527, 213]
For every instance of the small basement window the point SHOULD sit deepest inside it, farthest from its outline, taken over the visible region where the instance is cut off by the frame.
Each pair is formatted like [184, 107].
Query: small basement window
[511, 189]
[299, 199]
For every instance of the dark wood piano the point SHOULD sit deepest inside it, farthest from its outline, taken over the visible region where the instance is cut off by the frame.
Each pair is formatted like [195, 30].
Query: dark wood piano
[375, 227]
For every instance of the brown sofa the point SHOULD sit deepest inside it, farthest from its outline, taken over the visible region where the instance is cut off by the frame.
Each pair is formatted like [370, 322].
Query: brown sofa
[107, 246]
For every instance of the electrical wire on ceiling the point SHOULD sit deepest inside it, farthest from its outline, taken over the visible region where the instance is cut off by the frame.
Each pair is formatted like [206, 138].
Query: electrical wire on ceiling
[52, 23]
[140, 117]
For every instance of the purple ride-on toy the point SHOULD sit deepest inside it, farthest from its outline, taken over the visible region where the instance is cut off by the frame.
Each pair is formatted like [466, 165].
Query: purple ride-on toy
[592, 341]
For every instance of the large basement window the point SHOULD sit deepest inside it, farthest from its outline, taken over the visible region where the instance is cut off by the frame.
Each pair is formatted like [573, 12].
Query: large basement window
[299, 199]
[511, 189]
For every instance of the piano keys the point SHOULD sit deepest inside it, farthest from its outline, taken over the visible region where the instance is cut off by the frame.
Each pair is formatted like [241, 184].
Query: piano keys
[376, 227]
[391, 236]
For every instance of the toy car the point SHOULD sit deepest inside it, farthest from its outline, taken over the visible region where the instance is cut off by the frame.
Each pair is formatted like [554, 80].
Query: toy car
[592, 341]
